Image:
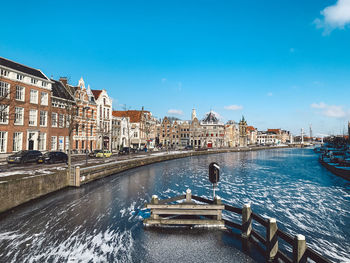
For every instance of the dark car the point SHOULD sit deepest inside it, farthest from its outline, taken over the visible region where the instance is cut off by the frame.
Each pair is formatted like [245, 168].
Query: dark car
[127, 150]
[94, 153]
[54, 157]
[189, 147]
[26, 156]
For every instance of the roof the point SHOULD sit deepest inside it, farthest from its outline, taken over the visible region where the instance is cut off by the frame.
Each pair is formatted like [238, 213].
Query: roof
[134, 115]
[22, 68]
[60, 91]
[250, 128]
[276, 131]
[96, 93]
[210, 117]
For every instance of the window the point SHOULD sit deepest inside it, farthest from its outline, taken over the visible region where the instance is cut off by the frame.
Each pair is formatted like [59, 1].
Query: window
[20, 77]
[77, 128]
[91, 128]
[33, 81]
[33, 117]
[43, 118]
[67, 142]
[4, 113]
[4, 90]
[67, 120]
[3, 141]
[61, 143]
[43, 83]
[44, 98]
[100, 112]
[19, 115]
[42, 141]
[17, 141]
[135, 134]
[54, 119]
[20, 93]
[4, 73]
[33, 96]
[92, 113]
[53, 143]
[61, 120]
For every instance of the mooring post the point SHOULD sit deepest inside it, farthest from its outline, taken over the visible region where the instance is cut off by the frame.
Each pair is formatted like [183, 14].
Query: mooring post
[154, 201]
[271, 239]
[246, 221]
[188, 195]
[217, 201]
[299, 248]
[77, 176]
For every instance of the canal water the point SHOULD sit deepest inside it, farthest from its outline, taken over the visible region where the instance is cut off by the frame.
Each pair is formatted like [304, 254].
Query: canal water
[102, 221]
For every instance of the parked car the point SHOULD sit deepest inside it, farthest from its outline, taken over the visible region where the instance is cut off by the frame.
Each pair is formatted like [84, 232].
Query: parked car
[25, 156]
[127, 150]
[54, 157]
[106, 153]
[94, 153]
[189, 147]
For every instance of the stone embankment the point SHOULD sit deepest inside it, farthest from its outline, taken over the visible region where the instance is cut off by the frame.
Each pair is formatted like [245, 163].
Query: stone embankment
[21, 190]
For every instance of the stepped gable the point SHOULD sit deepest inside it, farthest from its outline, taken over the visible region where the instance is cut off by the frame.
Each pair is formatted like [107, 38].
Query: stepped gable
[22, 68]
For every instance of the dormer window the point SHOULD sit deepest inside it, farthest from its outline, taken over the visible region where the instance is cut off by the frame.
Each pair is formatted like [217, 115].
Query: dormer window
[33, 81]
[43, 83]
[4, 73]
[20, 77]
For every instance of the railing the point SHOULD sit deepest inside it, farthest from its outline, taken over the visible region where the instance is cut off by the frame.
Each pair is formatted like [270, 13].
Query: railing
[270, 249]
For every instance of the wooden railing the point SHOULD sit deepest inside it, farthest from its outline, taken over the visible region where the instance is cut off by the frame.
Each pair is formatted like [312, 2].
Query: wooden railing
[269, 243]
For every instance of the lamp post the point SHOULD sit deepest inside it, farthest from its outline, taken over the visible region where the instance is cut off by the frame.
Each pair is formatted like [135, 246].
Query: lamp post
[87, 131]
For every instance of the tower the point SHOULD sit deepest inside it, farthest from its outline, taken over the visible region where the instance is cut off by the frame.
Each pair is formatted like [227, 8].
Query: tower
[243, 137]
[194, 114]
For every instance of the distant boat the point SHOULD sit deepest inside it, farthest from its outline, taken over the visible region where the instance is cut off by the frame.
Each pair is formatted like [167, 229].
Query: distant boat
[338, 167]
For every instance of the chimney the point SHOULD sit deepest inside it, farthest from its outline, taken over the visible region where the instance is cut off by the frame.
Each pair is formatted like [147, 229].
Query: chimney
[64, 80]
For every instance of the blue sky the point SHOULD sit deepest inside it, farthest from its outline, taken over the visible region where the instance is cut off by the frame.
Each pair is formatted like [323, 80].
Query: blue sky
[281, 64]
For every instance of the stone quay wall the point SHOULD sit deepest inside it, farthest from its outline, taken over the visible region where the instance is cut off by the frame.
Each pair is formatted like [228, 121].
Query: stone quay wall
[19, 191]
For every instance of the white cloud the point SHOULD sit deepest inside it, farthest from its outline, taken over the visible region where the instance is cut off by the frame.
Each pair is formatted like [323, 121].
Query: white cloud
[175, 112]
[320, 105]
[334, 16]
[164, 80]
[333, 111]
[233, 107]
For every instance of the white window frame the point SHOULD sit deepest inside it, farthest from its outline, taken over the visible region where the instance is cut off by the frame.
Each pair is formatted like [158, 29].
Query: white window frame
[33, 81]
[3, 142]
[20, 76]
[42, 141]
[17, 141]
[4, 89]
[34, 98]
[54, 119]
[44, 98]
[4, 72]
[53, 143]
[19, 116]
[4, 114]
[44, 83]
[61, 145]
[61, 120]
[43, 115]
[20, 90]
[33, 117]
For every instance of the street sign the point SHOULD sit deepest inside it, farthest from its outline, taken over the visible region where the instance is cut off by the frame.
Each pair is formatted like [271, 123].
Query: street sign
[214, 173]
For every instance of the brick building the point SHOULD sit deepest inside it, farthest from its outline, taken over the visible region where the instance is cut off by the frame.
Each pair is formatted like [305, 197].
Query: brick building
[25, 101]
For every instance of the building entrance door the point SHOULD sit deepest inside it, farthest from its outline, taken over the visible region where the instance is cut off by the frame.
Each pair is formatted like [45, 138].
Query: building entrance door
[31, 145]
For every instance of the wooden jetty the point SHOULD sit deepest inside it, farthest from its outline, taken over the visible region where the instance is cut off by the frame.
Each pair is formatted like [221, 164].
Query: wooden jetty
[208, 213]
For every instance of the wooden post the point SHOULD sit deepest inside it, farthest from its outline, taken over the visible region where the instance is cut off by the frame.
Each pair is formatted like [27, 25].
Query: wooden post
[77, 176]
[271, 239]
[154, 201]
[299, 248]
[188, 196]
[217, 201]
[246, 221]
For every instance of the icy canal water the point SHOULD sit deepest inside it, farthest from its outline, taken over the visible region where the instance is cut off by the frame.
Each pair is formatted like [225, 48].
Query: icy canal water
[102, 221]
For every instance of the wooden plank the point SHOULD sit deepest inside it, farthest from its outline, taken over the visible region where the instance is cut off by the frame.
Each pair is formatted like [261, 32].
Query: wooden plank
[186, 206]
[183, 222]
[185, 212]
[173, 199]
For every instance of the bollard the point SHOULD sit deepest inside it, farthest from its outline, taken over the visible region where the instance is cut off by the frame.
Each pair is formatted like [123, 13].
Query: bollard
[77, 176]
[188, 196]
[154, 201]
[246, 221]
[299, 248]
[271, 239]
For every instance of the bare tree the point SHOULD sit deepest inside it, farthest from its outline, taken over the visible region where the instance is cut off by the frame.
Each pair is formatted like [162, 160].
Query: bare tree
[71, 124]
[7, 98]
